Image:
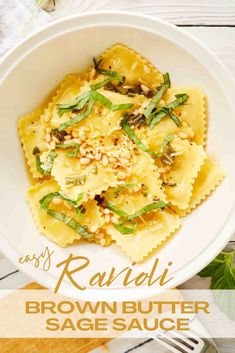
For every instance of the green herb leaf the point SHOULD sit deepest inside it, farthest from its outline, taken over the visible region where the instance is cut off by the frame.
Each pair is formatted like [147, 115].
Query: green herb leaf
[45, 203]
[78, 117]
[101, 84]
[147, 209]
[116, 210]
[158, 95]
[221, 270]
[97, 96]
[124, 186]
[75, 146]
[158, 115]
[222, 273]
[49, 162]
[128, 130]
[113, 74]
[166, 141]
[46, 169]
[79, 104]
[124, 229]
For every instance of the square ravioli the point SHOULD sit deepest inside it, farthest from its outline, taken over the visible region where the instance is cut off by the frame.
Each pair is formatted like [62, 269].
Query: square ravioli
[120, 153]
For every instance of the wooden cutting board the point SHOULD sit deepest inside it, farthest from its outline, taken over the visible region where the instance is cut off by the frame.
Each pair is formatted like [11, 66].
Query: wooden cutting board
[49, 345]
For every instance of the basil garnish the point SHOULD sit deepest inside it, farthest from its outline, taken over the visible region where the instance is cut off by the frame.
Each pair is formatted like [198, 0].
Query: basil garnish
[71, 222]
[46, 169]
[126, 127]
[78, 117]
[158, 95]
[157, 115]
[75, 148]
[122, 227]
[113, 74]
[146, 209]
[124, 186]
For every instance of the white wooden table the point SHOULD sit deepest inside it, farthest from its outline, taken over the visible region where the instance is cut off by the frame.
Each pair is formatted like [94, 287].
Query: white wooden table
[213, 23]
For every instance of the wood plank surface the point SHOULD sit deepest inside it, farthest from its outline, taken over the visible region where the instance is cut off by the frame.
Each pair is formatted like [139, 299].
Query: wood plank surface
[180, 12]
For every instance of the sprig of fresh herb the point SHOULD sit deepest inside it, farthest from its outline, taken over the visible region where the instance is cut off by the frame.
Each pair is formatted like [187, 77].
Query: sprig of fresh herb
[221, 270]
[146, 209]
[123, 229]
[71, 222]
[79, 104]
[157, 115]
[94, 96]
[47, 166]
[130, 219]
[73, 145]
[115, 75]
[122, 187]
[128, 130]
[78, 117]
[158, 95]
[222, 273]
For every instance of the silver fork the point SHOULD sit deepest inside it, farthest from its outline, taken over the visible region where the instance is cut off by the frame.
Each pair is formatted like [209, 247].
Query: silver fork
[178, 343]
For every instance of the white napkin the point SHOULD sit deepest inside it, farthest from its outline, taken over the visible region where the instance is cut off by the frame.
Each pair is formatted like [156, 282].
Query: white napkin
[19, 18]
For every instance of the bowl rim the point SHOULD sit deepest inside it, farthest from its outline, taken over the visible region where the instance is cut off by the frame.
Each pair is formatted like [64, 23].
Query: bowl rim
[10, 60]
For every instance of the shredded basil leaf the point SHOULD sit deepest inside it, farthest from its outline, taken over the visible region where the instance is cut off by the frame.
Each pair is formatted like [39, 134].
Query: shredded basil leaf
[128, 130]
[45, 203]
[107, 103]
[78, 117]
[124, 186]
[73, 145]
[116, 210]
[166, 141]
[49, 162]
[109, 73]
[142, 211]
[158, 95]
[79, 104]
[124, 229]
[46, 169]
[156, 116]
[148, 208]
[101, 84]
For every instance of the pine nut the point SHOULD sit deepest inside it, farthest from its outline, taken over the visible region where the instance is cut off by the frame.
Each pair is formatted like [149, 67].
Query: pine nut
[112, 159]
[144, 88]
[114, 220]
[105, 161]
[48, 137]
[82, 151]
[52, 145]
[183, 135]
[85, 161]
[46, 117]
[124, 161]
[67, 137]
[107, 218]
[99, 236]
[102, 242]
[94, 229]
[55, 139]
[106, 211]
[147, 69]
[98, 156]
[56, 201]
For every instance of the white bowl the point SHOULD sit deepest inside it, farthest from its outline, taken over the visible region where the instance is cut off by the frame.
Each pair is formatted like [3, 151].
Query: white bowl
[32, 69]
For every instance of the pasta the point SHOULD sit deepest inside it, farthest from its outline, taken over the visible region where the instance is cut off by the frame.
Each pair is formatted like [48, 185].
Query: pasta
[118, 155]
